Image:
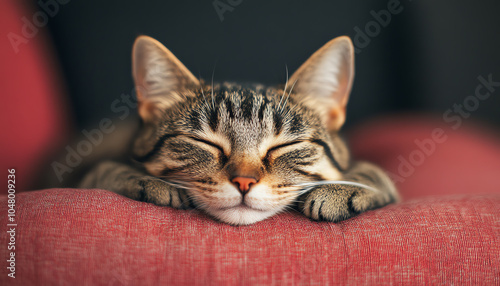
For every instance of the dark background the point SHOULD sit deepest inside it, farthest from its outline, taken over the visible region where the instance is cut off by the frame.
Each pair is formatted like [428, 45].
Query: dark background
[426, 59]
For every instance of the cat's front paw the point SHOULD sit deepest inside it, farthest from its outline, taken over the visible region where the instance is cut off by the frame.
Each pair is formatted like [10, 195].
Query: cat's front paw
[338, 202]
[159, 192]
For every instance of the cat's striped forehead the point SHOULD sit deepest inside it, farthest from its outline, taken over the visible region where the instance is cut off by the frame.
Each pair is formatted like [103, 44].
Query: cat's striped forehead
[244, 114]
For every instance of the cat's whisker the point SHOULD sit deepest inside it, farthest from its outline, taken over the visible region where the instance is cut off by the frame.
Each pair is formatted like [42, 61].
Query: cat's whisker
[300, 191]
[171, 184]
[181, 183]
[284, 90]
[191, 201]
[311, 185]
[195, 188]
[201, 88]
[199, 201]
[213, 72]
[286, 101]
[175, 183]
[206, 103]
[192, 184]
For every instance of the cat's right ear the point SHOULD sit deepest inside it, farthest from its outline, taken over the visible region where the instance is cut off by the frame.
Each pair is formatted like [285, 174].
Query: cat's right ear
[324, 81]
[160, 78]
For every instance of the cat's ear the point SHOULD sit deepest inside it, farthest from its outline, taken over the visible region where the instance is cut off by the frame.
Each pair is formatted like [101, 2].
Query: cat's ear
[324, 81]
[160, 78]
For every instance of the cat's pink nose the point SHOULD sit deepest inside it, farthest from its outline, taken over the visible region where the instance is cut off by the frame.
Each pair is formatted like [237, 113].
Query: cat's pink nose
[244, 183]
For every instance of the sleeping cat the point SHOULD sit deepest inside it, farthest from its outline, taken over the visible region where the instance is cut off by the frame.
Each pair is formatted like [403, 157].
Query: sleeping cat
[245, 153]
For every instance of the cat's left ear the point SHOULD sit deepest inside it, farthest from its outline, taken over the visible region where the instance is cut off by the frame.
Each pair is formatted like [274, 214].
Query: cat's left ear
[324, 81]
[160, 78]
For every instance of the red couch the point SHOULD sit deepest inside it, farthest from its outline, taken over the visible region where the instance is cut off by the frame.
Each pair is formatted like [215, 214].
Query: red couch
[445, 231]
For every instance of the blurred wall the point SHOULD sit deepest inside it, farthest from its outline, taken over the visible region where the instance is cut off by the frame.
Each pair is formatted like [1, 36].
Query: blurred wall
[420, 55]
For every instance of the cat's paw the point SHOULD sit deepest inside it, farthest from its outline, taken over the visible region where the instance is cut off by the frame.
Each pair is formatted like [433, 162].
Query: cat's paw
[159, 192]
[338, 202]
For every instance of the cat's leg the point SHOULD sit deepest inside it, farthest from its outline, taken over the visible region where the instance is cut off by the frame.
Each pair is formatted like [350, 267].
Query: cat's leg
[135, 184]
[336, 202]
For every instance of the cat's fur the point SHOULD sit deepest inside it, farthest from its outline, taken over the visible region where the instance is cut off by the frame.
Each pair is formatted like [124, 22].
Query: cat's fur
[196, 138]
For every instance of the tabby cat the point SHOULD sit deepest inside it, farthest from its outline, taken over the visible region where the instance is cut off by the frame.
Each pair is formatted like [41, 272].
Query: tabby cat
[245, 153]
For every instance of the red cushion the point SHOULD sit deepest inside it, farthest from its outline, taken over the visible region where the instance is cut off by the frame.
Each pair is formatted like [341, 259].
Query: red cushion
[462, 161]
[32, 113]
[94, 237]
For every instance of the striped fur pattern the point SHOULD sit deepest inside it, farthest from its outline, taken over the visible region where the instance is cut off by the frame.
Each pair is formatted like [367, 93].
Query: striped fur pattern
[196, 138]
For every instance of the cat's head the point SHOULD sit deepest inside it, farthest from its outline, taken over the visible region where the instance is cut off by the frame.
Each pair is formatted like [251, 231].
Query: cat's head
[242, 152]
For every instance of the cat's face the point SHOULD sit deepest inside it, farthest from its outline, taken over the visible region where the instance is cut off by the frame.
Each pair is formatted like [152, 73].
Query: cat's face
[241, 153]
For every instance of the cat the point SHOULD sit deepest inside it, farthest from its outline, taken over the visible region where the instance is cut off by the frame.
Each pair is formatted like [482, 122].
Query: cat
[245, 153]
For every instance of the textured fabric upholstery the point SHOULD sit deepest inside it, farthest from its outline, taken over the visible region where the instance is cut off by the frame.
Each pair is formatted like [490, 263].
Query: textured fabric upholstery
[94, 237]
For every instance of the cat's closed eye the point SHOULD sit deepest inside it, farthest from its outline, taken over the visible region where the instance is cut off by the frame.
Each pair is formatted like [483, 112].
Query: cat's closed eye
[281, 146]
[209, 143]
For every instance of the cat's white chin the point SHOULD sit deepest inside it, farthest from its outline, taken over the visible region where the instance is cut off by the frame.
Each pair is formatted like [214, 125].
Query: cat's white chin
[241, 215]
